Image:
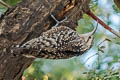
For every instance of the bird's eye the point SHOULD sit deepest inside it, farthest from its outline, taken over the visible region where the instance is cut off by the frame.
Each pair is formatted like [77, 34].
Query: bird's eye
[89, 37]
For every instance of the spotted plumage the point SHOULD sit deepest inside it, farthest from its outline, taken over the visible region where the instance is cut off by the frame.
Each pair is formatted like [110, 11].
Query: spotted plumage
[58, 43]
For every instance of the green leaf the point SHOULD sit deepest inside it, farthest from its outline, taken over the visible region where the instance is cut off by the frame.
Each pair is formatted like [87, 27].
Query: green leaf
[118, 43]
[99, 49]
[102, 47]
[108, 40]
[85, 72]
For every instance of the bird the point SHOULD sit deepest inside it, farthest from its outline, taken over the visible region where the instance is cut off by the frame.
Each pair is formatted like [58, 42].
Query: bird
[60, 42]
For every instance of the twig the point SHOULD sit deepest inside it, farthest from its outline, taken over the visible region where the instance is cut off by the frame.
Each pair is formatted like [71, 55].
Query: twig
[98, 51]
[101, 42]
[5, 4]
[102, 23]
[91, 57]
[117, 2]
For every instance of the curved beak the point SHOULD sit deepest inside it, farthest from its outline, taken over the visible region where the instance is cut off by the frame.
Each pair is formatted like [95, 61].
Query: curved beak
[92, 32]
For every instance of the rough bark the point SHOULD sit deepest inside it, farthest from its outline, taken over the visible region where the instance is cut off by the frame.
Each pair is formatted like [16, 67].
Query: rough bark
[28, 20]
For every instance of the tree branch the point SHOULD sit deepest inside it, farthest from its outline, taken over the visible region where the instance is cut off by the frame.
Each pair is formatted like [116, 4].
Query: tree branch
[102, 23]
[27, 20]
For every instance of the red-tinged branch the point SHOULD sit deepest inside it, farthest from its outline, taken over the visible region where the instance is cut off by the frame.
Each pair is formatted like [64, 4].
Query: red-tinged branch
[117, 2]
[102, 23]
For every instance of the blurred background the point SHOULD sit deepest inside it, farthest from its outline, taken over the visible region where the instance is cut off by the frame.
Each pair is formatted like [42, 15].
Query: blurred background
[101, 62]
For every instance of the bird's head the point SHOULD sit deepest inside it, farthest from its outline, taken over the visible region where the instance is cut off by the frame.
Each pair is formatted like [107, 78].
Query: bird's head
[88, 37]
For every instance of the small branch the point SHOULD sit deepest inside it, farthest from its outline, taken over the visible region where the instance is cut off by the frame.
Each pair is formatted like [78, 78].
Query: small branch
[91, 57]
[117, 2]
[106, 39]
[5, 4]
[101, 42]
[102, 23]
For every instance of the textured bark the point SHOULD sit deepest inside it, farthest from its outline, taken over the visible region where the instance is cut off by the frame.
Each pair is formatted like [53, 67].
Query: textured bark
[28, 20]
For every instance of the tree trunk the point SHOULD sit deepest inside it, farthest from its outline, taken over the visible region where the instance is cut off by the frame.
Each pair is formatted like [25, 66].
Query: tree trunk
[28, 20]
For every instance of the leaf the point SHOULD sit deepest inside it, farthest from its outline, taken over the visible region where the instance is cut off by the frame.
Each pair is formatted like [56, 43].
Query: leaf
[116, 73]
[108, 40]
[99, 49]
[118, 43]
[85, 72]
[102, 47]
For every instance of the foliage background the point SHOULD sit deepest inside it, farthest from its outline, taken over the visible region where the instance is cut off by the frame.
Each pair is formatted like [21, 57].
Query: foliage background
[99, 63]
